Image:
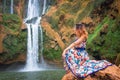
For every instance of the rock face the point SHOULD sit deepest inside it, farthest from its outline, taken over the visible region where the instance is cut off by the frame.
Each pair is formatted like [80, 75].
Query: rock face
[109, 73]
[53, 34]
[99, 17]
[19, 58]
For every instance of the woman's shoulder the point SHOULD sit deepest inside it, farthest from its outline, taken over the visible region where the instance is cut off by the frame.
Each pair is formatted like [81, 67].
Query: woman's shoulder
[84, 38]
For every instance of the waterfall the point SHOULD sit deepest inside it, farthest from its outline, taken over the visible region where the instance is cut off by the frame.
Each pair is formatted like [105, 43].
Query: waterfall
[44, 7]
[32, 21]
[41, 32]
[11, 7]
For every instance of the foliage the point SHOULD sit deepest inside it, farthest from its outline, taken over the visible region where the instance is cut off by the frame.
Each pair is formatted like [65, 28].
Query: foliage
[69, 22]
[71, 0]
[97, 30]
[52, 54]
[54, 22]
[52, 2]
[10, 17]
[86, 12]
[11, 22]
[98, 3]
[65, 7]
[15, 41]
[76, 7]
[71, 8]
[105, 44]
[14, 45]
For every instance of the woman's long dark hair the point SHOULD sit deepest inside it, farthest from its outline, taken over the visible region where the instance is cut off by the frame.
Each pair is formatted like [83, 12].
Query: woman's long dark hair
[81, 27]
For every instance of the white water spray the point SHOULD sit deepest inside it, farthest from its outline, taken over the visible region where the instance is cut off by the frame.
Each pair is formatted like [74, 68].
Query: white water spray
[33, 18]
[44, 7]
[11, 7]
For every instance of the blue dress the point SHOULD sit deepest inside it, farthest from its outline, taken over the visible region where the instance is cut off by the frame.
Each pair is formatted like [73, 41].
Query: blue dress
[78, 62]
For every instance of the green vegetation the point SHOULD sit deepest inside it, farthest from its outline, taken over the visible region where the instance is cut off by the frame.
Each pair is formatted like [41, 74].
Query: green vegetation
[52, 2]
[104, 42]
[98, 3]
[54, 22]
[51, 53]
[86, 12]
[76, 7]
[64, 8]
[14, 45]
[15, 41]
[11, 22]
[69, 22]
[97, 30]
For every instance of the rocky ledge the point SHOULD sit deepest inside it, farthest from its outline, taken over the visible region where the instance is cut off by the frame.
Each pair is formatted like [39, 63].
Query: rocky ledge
[109, 73]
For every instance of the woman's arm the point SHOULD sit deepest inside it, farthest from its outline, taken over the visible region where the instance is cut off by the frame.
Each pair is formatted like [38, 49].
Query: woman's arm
[74, 44]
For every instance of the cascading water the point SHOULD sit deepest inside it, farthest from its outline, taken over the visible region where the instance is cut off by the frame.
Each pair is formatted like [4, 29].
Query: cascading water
[35, 9]
[11, 7]
[41, 32]
[44, 7]
[32, 21]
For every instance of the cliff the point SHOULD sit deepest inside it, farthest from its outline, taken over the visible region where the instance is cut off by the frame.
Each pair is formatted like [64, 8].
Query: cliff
[102, 21]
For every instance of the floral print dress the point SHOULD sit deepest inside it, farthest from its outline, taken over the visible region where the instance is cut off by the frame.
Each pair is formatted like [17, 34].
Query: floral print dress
[77, 61]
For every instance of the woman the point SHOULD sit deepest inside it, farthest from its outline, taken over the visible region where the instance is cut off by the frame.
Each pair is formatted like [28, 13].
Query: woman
[76, 58]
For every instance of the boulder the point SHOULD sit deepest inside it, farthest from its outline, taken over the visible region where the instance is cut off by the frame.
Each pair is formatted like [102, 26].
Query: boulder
[109, 73]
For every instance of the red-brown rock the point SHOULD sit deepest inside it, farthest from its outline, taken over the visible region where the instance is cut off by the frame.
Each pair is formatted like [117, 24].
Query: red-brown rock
[109, 73]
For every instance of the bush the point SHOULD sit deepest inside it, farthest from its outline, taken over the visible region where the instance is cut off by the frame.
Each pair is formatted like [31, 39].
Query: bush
[69, 22]
[105, 45]
[52, 54]
[14, 45]
[15, 41]
[11, 22]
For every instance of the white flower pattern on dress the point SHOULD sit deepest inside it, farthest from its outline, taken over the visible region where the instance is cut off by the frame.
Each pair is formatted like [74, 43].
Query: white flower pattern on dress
[77, 60]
